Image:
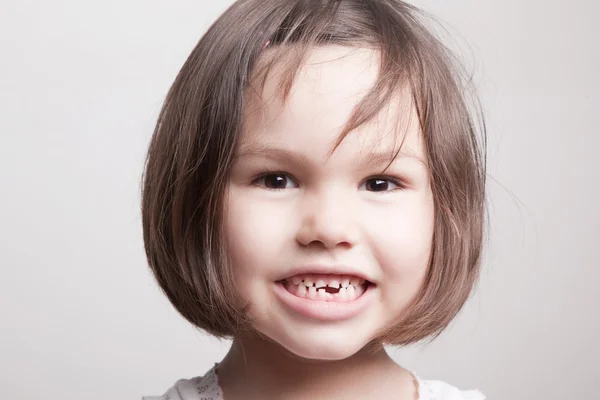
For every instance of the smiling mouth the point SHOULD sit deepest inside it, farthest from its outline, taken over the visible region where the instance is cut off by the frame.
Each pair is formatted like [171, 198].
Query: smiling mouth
[328, 288]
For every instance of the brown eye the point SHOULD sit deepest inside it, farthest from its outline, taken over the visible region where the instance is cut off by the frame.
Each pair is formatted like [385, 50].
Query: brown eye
[380, 185]
[276, 181]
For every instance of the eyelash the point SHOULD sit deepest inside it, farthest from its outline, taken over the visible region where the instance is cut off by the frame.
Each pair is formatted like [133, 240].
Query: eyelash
[266, 173]
[400, 185]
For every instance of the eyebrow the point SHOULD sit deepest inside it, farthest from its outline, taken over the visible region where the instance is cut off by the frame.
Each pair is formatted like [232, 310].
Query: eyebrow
[389, 157]
[281, 154]
[274, 153]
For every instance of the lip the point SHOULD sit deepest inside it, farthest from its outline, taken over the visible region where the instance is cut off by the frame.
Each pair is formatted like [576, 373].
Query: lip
[325, 310]
[326, 270]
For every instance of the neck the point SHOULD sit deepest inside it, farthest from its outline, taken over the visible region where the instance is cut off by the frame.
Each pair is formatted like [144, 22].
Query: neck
[259, 368]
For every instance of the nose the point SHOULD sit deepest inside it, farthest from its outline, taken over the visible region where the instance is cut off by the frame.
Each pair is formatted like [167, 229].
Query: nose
[328, 220]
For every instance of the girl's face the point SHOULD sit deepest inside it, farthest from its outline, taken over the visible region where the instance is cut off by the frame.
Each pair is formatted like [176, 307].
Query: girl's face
[306, 227]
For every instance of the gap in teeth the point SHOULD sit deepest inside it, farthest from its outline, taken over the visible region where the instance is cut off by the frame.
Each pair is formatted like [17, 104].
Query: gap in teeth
[336, 288]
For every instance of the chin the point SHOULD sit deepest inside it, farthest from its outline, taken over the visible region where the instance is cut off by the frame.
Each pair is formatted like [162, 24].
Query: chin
[320, 344]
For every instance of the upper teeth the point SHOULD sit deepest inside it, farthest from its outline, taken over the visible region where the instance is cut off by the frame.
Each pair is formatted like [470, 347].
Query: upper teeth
[336, 282]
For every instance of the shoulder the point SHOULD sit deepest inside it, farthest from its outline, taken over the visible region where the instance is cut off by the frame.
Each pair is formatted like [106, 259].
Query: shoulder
[439, 390]
[198, 388]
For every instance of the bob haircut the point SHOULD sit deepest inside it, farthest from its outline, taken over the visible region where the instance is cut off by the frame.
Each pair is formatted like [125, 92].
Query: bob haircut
[197, 133]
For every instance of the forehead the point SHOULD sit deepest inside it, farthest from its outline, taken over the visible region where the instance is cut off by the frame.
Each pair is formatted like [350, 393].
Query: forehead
[326, 90]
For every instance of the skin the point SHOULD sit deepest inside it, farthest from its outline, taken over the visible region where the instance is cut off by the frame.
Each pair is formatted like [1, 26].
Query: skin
[336, 209]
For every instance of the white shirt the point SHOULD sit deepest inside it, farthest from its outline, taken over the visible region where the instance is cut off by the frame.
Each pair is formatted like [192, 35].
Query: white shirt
[207, 388]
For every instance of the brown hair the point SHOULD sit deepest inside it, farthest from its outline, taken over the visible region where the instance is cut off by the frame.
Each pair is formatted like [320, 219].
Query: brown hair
[196, 137]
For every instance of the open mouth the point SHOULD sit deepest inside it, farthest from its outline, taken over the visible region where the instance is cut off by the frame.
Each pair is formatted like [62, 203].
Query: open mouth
[329, 288]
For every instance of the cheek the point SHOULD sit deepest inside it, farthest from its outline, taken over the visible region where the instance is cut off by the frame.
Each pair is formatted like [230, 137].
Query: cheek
[404, 238]
[402, 249]
[254, 238]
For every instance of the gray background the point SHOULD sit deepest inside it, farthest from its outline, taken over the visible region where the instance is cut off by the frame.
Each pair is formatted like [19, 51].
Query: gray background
[81, 84]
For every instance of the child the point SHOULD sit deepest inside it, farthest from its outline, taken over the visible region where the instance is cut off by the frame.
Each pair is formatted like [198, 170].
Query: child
[314, 190]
